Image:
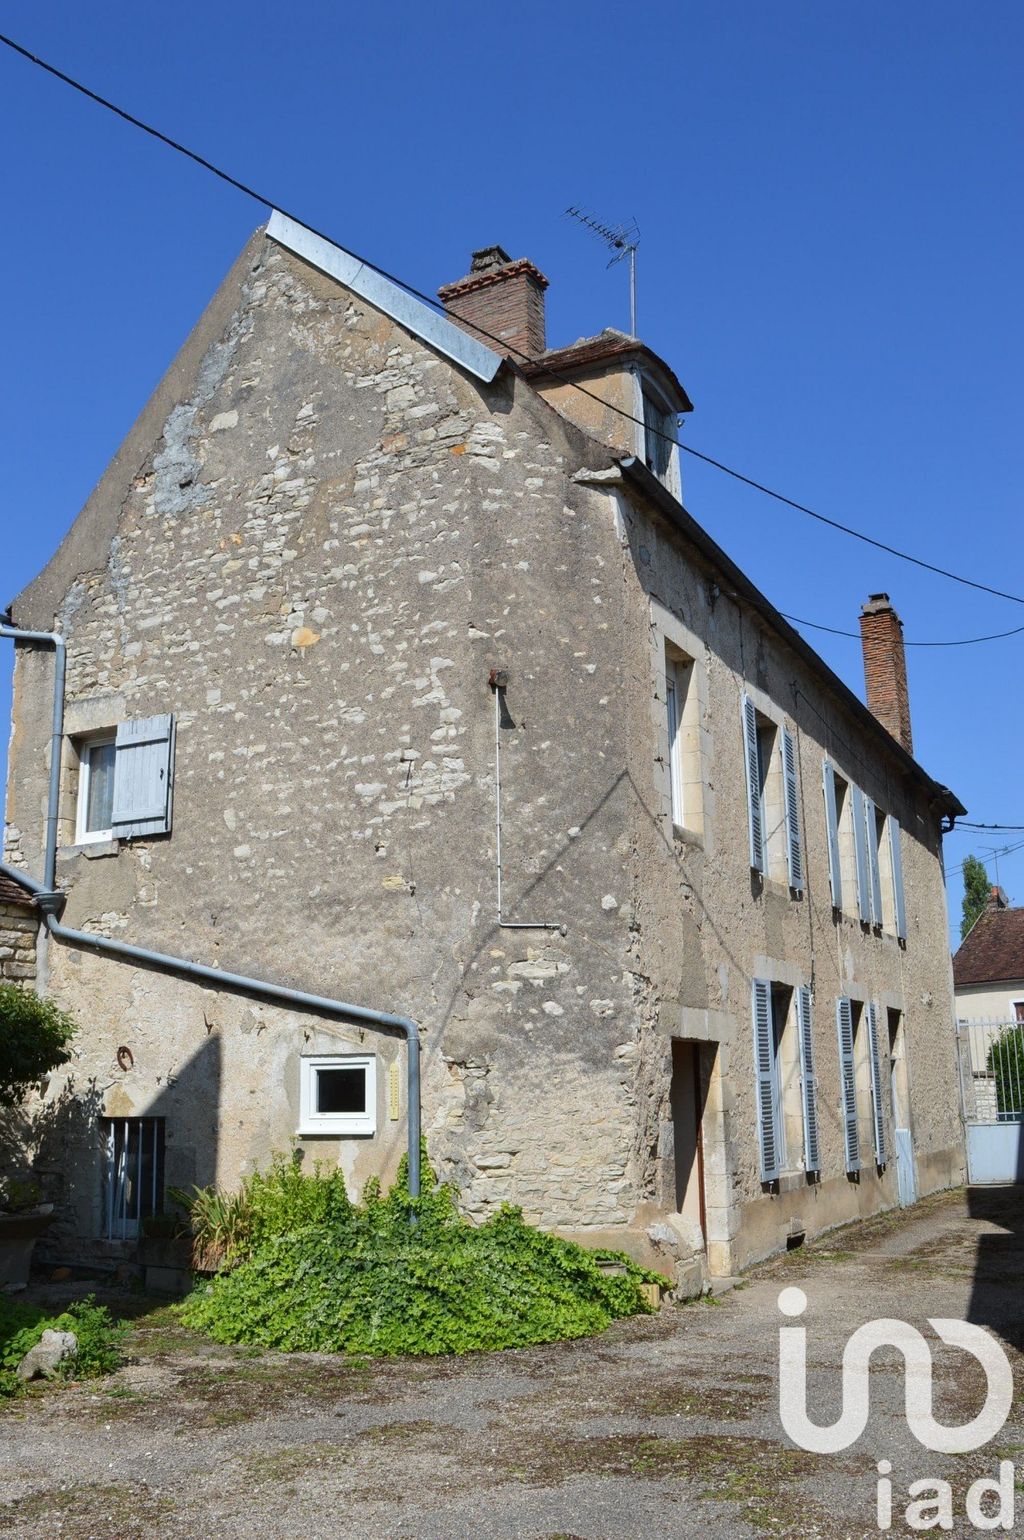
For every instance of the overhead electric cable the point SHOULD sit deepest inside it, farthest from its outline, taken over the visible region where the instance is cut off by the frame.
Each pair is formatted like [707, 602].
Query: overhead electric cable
[964, 641]
[503, 344]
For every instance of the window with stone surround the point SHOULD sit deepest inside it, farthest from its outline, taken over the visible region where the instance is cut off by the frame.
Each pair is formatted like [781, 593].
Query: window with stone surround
[677, 691]
[95, 789]
[125, 780]
[337, 1095]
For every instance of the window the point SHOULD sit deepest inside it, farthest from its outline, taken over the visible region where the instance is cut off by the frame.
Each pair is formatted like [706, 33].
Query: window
[773, 798]
[95, 789]
[659, 434]
[338, 1094]
[677, 720]
[786, 1084]
[126, 781]
[133, 1175]
[860, 1075]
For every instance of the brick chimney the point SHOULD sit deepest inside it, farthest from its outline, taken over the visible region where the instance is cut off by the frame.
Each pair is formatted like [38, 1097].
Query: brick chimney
[997, 899]
[885, 668]
[504, 298]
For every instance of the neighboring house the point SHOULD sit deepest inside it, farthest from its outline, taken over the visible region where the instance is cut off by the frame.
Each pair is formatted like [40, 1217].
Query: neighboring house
[988, 966]
[467, 719]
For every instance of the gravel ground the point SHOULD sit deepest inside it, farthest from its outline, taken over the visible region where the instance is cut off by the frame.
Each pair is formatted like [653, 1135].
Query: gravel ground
[664, 1426]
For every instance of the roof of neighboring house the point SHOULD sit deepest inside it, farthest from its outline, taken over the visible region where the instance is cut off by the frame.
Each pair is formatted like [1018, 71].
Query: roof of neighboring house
[604, 348]
[12, 893]
[992, 952]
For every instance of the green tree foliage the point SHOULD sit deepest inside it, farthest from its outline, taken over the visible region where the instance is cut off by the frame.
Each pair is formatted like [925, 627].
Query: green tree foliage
[1006, 1063]
[34, 1038]
[977, 887]
[394, 1275]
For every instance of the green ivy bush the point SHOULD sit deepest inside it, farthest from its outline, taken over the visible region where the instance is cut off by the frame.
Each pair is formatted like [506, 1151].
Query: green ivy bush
[22, 1325]
[34, 1038]
[394, 1275]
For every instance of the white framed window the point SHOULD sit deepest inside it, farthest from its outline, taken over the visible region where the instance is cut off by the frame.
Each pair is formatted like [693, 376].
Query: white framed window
[676, 680]
[94, 819]
[337, 1094]
[126, 781]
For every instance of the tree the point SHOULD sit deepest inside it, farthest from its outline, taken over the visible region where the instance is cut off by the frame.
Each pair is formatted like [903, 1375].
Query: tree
[977, 888]
[34, 1038]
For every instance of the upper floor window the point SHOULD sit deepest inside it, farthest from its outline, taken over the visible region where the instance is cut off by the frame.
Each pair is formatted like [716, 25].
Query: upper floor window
[773, 798]
[659, 436]
[125, 781]
[865, 856]
[677, 691]
[95, 789]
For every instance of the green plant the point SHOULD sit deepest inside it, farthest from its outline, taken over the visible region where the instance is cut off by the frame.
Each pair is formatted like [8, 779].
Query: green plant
[1006, 1063]
[977, 890]
[22, 1325]
[18, 1193]
[229, 1227]
[34, 1038]
[397, 1275]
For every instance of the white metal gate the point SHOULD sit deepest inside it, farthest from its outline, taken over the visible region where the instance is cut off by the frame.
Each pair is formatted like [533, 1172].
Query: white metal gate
[991, 1058]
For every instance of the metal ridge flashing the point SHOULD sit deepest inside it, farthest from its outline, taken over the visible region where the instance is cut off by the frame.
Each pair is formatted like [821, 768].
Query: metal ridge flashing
[436, 330]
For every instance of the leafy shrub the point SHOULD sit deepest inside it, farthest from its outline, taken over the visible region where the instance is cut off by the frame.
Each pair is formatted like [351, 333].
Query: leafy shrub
[228, 1228]
[1006, 1063]
[395, 1275]
[22, 1325]
[34, 1038]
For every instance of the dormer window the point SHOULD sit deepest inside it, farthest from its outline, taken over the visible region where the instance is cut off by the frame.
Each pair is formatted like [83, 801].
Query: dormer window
[659, 434]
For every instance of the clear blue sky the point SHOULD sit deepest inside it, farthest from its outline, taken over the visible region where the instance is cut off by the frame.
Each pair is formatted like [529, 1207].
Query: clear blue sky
[830, 199]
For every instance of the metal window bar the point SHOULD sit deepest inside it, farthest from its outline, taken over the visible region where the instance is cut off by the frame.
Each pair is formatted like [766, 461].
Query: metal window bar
[992, 1070]
[134, 1174]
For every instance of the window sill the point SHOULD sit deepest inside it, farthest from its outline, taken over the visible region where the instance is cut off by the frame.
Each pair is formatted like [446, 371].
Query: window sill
[93, 850]
[340, 1131]
[683, 836]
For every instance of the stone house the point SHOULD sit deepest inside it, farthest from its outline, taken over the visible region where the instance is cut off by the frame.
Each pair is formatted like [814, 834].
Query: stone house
[466, 719]
[988, 965]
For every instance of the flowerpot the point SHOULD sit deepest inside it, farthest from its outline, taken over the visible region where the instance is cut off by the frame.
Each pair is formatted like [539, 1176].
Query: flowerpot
[18, 1236]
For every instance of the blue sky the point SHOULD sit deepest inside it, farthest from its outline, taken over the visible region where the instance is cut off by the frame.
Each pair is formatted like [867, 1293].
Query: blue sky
[830, 203]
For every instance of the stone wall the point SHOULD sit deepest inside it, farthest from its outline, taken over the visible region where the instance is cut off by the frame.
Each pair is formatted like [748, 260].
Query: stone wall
[313, 548]
[18, 927]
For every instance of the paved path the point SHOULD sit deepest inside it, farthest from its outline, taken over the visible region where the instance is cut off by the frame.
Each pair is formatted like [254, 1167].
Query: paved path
[665, 1426]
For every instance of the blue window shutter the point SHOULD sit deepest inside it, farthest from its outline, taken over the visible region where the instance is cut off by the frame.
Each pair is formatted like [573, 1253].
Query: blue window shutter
[808, 1080]
[848, 1083]
[794, 843]
[874, 875]
[877, 1104]
[752, 760]
[861, 847]
[835, 871]
[767, 1079]
[897, 878]
[143, 777]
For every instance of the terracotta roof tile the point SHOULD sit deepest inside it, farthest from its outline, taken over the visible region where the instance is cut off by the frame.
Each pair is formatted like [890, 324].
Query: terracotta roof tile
[12, 893]
[993, 951]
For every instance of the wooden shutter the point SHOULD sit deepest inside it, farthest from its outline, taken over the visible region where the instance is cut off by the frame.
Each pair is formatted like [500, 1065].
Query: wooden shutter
[808, 1080]
[767, 1079]
[143, 777]
[874, 876]
[848, 1083]
[794, 844]
[835, 872]
[675, 747]
[896, 861]
[752, 760]
[877, 1104]
[861, 847]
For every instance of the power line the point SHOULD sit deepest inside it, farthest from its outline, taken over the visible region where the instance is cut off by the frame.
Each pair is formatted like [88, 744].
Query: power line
[1007, 850]
[503, 344]
[966, 641]
[999, 828]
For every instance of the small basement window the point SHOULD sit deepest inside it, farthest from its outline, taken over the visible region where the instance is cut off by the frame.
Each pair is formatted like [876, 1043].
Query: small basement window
[95, 790]
[338, 1094]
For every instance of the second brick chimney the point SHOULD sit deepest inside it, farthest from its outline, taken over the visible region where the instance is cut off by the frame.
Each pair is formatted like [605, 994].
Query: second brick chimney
[500, 299]
[885, 668]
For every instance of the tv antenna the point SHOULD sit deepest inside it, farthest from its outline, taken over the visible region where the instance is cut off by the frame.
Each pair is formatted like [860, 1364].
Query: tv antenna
[622, 240]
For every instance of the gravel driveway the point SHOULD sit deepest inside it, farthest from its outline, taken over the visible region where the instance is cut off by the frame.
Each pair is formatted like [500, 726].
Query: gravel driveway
[664, 1426]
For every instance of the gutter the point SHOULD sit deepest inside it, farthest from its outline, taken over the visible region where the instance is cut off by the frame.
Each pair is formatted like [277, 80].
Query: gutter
[634, 471]
[51, 901]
